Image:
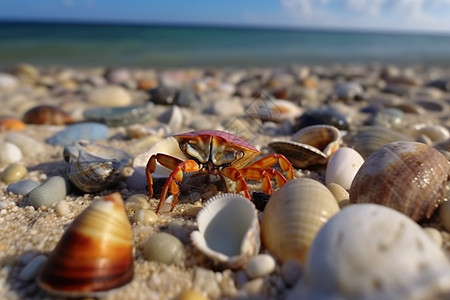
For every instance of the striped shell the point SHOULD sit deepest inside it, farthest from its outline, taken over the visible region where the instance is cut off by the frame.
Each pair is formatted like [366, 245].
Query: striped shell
[294, 215]
[93, 167]
[228, 230]
[94, 255]
[410, 177]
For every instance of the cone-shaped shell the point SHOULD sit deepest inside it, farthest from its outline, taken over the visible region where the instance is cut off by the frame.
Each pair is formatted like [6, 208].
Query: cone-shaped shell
[95, 253]
[228, 230]
[410, 177]
[294, 215]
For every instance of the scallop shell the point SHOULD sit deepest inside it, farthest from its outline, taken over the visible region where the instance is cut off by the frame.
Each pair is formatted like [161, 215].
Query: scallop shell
[294, 215]
[93, 167]
[94, 255]
[228, 230]
[311, 145]
[169, 146]
[410, 177]
[372, 252]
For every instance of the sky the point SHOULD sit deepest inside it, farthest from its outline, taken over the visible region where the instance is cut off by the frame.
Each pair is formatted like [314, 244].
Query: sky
[385, 15]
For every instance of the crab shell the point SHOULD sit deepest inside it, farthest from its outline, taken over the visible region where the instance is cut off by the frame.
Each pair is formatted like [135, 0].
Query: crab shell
[220, 147]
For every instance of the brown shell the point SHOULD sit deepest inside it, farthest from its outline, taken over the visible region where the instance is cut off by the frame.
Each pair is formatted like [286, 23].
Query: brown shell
[47, 114]
[410, 177]
[94, 255]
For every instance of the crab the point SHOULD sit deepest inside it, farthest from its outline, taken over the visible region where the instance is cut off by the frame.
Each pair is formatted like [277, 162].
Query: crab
[220, 153]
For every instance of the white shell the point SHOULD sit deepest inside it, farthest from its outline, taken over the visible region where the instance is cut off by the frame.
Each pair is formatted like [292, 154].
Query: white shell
[342, 167]
[369, 252]
[228, 230]
[168, 146]
[294, 215]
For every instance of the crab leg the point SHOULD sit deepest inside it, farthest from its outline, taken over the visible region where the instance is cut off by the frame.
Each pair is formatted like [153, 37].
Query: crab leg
[269, 160]
[165, 160]
[236, 175]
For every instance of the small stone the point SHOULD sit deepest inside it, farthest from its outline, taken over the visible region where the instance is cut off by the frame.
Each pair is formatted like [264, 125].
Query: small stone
[32, 269]
[227, 107]
[13, 124]
[173, 117]
[23, 187]
[191, 294]
[348, 90]
[164, 248]
[163, 95]
[8, 82]
[14, 172]
[26, 72]
[338, 192]
[62, 208]
[205, 281]
[145, 217]
[434, 234]
[291, 270]
[254, 286]
[88, 131]
[187, 98]
[9, 153]
[147, 84]
[444, 215]
[111, 95]
[118, 76]
[50, 192]
[29, 146]
[137, 202]
[260, 265]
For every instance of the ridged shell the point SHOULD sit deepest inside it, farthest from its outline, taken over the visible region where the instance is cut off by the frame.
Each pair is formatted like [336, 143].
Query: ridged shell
[408, 176]
[371, 252]
[94, 255]
[228, 230]
[311, 145]
[294, 215]
[369, 140]
[93, 167]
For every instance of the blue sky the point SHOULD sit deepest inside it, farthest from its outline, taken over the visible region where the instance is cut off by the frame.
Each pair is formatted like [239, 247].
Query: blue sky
[399, 15]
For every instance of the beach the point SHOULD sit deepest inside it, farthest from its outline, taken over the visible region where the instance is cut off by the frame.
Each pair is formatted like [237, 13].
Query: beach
[257, 104]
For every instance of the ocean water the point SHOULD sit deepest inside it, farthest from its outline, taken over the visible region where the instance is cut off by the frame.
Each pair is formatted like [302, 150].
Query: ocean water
[177, 46]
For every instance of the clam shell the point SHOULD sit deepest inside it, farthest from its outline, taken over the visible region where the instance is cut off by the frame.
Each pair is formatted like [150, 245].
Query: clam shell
[294, 215]
[372, 252]
[93, 167]
[94, 255]
[410, 177]
[310, 146]
[228, 230]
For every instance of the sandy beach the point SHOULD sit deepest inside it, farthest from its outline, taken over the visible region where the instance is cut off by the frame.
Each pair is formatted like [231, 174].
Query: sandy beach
[259, 105]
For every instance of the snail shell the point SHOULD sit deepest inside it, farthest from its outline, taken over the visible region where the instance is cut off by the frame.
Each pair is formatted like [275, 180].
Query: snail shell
[93, 167]
[94, 255]
[294, 215]
[311, 145]
[228, 230]
[410, 177]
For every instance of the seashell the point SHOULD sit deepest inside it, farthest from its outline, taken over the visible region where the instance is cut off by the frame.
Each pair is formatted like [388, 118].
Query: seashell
[294, 215]
[410, 177]
[89, 131]
[369, 140]
[436, 133]
[100, 241]
[93, 167]
[228, 230]
[51, 191]
[169, 146]
[47, 114]
[342, 167]
[274, 110]
[368, 251]
[310, 146]
[120, 116]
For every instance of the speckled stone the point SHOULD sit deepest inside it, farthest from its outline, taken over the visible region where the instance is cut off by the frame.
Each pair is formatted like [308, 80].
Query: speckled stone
[50, 192]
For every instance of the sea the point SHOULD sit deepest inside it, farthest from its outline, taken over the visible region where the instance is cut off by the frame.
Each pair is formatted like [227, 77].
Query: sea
[181, 46]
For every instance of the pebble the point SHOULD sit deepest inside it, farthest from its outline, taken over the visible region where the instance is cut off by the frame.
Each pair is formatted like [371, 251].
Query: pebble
[9, 153]
[205, 281]
[14, 172]
[163, 95]
[348, 90]
[260, 265]
[328, 116]
[48, 115]
[83, 131]
[137, 202]
[145, 217]
[191, 294]
[8, 82]
[444, 215]
[23, 187]
[62, 208]
[26, 72]
[50, 192]
[11, 124]
[164, 248]
[29, 146]
[120, 116]
[339, 193]
[173, 117]
[228, 107]
[187, 98]
[254, 286]
[291, 271]
[118, 76]
[110, 95]
[32, 269]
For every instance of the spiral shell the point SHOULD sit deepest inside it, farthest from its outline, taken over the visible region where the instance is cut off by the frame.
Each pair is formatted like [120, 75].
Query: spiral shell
[93, 167]
[228, 230]
[94, 255]
[408, 176]
[294, 215]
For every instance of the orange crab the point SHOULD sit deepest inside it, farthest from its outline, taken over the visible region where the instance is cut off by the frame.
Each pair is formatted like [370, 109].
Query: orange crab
[222, 153]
